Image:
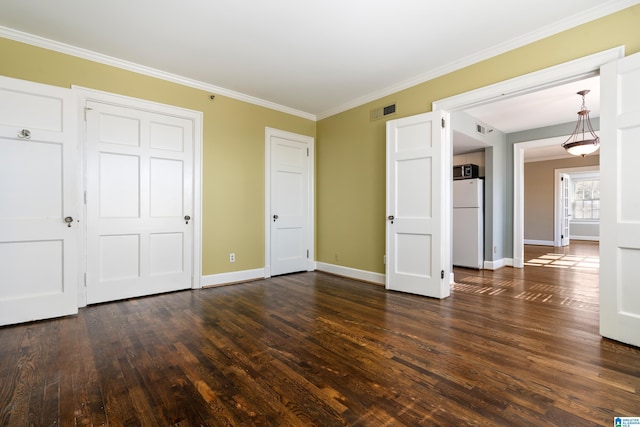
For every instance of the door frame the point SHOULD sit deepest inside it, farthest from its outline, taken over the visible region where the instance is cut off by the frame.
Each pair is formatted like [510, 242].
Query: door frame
[557, 197]
[563, 73]
[87, 94]
[304, 139]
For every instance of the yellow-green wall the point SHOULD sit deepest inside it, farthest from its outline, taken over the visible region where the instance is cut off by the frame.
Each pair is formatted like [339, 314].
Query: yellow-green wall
[233, 145]
[351, 149]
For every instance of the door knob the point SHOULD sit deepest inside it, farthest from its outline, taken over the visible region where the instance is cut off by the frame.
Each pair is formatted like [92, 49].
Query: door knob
[275, 217]
[68, 220]
[391, 218]
[25, 134]
[186, 219]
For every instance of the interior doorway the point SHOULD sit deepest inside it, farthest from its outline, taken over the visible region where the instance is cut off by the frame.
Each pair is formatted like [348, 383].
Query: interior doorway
[289, 207]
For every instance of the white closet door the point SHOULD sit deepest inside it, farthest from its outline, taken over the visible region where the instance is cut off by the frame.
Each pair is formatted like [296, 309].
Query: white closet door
[290, 224]
[39, 167]
[139, 202]
[565, 214]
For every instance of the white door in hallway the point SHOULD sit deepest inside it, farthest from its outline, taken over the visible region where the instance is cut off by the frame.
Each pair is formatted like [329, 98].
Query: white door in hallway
[620, 200]
[139, 202]
[291, 202]
[565, 187]
[39, 166]
[418, 230]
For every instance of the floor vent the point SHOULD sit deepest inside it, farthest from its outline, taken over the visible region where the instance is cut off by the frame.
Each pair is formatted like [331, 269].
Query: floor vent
[379, 113]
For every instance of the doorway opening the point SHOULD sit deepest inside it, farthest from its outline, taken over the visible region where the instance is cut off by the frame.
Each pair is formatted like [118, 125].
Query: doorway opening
[508, 242]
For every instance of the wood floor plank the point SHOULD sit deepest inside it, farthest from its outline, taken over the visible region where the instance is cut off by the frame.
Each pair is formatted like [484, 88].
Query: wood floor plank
[513, 347]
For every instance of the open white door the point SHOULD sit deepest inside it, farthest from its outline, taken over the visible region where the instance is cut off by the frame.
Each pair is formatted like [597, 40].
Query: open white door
[39, 168]
[419, 205]
[620, 200]
[565, 209]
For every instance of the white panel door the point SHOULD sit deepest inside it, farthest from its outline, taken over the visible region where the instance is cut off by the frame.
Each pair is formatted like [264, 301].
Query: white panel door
[565, 209]
[418, 206]
[290, 203]
[620, 200]
[39, 167]
[139, 202]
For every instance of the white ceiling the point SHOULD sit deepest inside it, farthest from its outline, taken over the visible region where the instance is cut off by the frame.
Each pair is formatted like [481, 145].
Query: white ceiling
[312, 58]
[547, 107]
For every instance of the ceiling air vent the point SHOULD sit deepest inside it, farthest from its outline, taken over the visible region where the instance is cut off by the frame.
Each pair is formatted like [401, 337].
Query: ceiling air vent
[379, 113]
[481, 129]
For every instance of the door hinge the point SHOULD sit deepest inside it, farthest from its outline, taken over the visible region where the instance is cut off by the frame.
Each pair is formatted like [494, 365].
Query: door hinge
[85, 197]
[85, 280]
[307, 151]
[442, 274]
[442, 122]
[85, 112]
[307, 253]
[562, 236]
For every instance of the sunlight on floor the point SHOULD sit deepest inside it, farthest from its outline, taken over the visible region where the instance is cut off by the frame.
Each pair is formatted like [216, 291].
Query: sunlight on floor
[587, 263]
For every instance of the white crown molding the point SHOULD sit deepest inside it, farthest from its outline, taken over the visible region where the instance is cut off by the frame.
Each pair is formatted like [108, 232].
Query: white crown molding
[607, 8]
[49, 44]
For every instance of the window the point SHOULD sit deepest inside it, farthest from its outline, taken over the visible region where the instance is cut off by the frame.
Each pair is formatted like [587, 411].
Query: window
[586, 199]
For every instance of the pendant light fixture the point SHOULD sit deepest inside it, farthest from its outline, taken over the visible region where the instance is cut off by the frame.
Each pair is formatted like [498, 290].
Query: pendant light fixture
[583, 140]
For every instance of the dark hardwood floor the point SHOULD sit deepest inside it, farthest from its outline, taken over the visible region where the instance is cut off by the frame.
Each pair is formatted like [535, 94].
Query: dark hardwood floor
[512, 347]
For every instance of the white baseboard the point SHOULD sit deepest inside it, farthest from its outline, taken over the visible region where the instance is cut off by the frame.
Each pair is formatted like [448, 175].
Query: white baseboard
[352, 273]
[494, 265]
[592, 238]
[539, 242]
[232, 277]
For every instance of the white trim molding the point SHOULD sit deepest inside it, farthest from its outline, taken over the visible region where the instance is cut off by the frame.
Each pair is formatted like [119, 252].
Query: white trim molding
[586, 238]
[232, 277]
[497, 264]
[606, 8]
[89, 55]
[539, 242]
[548, 77]
[352, 273]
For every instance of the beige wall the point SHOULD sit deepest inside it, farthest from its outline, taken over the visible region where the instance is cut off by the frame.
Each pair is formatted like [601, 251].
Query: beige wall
[539, 194]
[351, 149]
[233, 145]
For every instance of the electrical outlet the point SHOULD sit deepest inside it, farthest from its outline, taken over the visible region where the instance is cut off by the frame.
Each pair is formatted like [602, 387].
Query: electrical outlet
[232, 257]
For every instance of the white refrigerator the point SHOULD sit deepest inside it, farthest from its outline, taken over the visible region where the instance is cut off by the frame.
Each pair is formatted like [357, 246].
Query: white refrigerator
[468, 223]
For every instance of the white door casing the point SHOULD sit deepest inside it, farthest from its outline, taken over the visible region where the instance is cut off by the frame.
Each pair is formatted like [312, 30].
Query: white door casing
[552, 76]
[288, 202]
[140, 202]
[620, 200]
[558, 202]
[418, 243]
[38, 190]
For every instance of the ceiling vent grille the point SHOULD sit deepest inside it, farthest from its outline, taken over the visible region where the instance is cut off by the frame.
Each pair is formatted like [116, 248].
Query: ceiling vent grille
[379, 113]
[481, 129]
